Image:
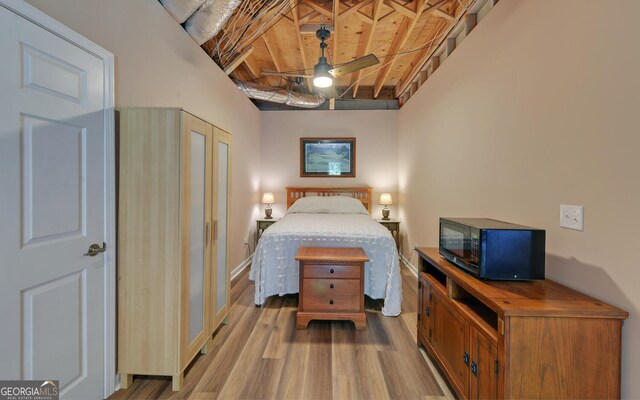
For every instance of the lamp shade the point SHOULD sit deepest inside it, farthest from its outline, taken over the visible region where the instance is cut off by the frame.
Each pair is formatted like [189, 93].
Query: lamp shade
[268, 198]
[385, 199]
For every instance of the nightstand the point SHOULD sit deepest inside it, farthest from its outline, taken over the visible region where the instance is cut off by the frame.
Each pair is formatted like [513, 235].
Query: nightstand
[263, 224]
[394, 226]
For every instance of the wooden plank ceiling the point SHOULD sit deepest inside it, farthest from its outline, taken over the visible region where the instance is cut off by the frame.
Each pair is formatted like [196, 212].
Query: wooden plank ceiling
[400, 33]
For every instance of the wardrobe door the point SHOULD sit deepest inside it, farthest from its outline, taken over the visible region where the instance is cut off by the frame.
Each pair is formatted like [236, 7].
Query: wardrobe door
[196, 197]
[222, 172]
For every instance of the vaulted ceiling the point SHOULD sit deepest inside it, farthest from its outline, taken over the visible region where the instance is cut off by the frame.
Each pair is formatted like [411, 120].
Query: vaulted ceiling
[403, 34]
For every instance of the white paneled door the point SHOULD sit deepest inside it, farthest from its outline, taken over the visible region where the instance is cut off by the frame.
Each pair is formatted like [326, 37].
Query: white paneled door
[53, 209]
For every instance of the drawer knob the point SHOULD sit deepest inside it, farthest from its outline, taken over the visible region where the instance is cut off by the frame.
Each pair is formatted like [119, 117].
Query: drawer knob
[330, 301]
[331, 286]
[331, 270]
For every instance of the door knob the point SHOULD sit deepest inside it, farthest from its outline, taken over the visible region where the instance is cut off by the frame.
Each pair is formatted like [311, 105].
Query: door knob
[95, 249]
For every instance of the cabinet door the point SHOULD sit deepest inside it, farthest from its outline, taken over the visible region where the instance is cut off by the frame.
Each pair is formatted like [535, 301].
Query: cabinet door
[196, 230]
[222, 188]
[450, 339]
[424, 310]
[484, 372]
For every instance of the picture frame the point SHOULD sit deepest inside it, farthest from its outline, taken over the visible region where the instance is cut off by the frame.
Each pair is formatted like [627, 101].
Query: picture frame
[328, 157]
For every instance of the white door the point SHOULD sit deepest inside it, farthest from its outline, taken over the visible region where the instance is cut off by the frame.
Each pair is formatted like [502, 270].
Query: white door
[52, 208]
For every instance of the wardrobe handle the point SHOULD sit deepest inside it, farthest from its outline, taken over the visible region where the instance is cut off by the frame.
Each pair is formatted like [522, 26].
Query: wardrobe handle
[207, 234]
[331, 286]
[215, 231]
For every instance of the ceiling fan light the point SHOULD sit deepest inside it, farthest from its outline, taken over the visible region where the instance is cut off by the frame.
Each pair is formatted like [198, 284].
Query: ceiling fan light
[322, 81]
[321, 76]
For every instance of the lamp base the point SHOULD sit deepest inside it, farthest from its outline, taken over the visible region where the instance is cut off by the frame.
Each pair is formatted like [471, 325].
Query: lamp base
[385, 214]
[267, 213]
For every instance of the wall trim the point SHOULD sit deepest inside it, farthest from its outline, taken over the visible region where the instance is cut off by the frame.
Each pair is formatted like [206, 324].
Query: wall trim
[410, 267]
[237, 270]
[49, 24]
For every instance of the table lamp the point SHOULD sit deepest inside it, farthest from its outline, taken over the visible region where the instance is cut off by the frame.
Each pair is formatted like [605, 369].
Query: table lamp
[268, 199]
[385, 200]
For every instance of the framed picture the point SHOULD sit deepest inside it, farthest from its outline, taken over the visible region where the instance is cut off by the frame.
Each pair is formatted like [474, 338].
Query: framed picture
[328, 157]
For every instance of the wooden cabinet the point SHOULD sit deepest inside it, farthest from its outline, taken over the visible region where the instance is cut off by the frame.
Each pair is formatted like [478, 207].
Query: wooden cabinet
[173, 270]
[331, 285]
[511, 339]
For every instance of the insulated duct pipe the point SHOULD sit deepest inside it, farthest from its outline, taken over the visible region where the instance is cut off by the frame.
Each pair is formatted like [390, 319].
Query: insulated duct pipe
[209, 20]
[276, 95]
[180, 10]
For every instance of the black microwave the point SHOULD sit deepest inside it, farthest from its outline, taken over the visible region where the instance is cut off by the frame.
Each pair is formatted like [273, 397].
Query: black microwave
[491, 249]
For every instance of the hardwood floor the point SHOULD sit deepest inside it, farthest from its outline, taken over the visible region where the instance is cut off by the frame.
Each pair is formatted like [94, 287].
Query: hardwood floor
[261, 355]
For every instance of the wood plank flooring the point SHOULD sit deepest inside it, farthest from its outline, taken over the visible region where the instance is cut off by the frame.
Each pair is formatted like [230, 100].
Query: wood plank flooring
[261, 355]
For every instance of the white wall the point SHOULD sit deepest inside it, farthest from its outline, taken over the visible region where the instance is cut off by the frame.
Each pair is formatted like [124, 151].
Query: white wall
[538, 107]
[376, 151]
[159, 65]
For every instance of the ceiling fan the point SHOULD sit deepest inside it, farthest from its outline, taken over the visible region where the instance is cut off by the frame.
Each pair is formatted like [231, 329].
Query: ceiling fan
[323, 72]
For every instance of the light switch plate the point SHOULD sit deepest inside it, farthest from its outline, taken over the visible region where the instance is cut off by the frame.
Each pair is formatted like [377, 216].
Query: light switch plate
[572, 217]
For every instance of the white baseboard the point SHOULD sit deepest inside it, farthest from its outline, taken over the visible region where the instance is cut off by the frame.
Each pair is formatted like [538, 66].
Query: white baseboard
[410, 266]
[237, 270]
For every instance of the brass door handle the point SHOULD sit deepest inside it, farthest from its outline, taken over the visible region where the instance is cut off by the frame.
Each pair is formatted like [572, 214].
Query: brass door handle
[95, 249]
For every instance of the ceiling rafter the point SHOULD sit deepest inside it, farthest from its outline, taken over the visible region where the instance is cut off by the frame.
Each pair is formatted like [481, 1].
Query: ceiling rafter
[311, 15]
[426, 56]
[418, 62]
[296, 25]
[404, 31]
[268, 39]
[336, 30]
[322, 10]
[401, 8]
[355, 77]
[238, 60]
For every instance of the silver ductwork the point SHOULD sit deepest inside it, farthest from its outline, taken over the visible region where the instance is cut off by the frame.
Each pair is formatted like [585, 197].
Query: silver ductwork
[180, 10]
[210, 18]
[277, 95]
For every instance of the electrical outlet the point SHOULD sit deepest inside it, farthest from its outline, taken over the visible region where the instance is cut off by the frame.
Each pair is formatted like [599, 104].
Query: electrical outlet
[572, 217]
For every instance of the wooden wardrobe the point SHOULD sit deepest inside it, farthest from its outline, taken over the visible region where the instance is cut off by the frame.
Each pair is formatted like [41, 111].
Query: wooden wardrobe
[173, 254]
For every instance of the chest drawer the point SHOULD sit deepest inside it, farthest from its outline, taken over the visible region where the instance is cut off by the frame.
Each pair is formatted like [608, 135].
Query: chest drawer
[332, 271]
[331, 286]
[331, 302]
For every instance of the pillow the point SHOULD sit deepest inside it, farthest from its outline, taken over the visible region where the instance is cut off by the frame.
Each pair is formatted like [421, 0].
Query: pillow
[327, 205]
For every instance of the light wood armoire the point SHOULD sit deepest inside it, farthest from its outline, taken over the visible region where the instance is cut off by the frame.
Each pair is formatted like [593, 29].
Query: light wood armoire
[173, 255]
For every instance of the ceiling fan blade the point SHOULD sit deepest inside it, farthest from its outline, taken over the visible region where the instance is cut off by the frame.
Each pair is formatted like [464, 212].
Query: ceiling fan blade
[313, 28]
[267, 73]
[355, 65]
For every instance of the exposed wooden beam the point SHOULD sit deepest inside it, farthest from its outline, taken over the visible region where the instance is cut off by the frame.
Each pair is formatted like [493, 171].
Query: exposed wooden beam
[443, 14]
[404, 31]
[273, 51]
[377, 10]
[308, 17]
[252, 68]
[426, 56]
[296, 25]
[309, 3]
[355, 8]
[401, 8]
[336, 31]
[421, 59]
[237, 61]
[451, 46]
[364, 17]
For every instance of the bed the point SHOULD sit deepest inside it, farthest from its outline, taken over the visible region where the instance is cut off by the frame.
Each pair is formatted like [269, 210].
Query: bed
[327, 217]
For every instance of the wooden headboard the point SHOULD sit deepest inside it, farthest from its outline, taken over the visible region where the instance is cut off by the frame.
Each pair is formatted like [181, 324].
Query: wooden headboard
[361, 193]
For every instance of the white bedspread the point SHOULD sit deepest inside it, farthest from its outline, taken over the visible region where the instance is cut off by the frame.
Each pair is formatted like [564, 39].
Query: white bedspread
[275, 270]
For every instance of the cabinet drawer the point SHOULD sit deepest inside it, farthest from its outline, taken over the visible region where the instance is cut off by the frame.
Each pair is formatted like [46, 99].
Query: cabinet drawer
[329, 302]
[332, 271]
[329, 286]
